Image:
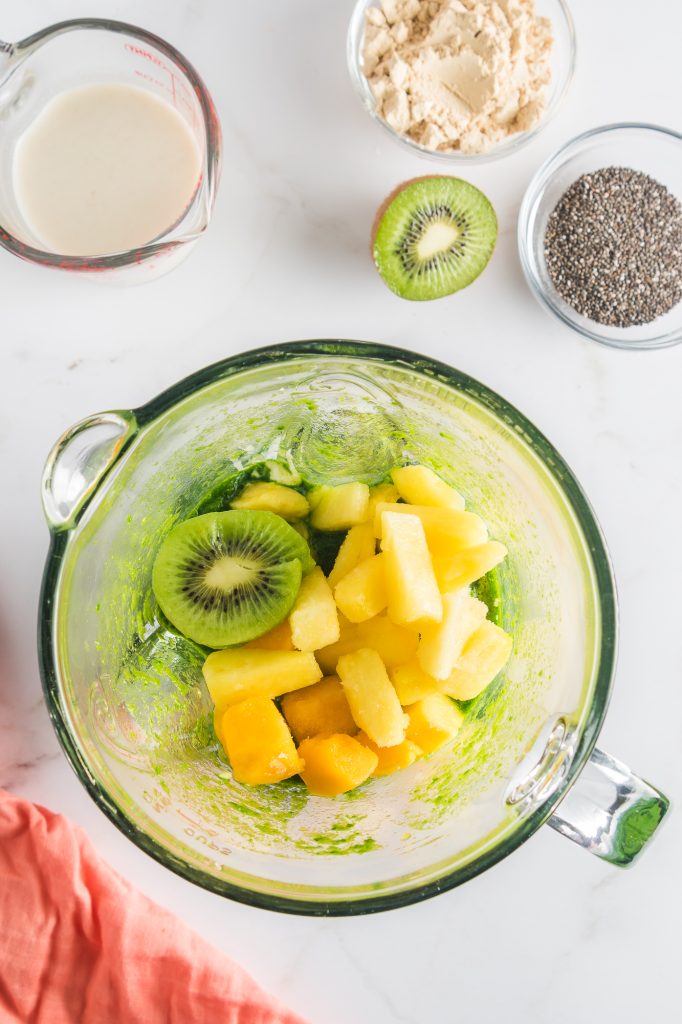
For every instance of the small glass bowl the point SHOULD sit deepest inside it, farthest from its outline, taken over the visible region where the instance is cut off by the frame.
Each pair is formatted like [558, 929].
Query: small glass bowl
[563, 66]
[643, 147]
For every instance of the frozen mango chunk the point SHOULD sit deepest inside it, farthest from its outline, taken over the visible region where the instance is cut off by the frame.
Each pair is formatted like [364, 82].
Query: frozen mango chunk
[441, 644]
[258, 743]
[358, 545]
[361, 594]
[394, 644]
[462, 568]
[314, 620]
[412, 683]
[335, 764]
[318, 710]
[421, 486]
[433, 721]
[372, 698]
[269, 497]
[391, 759]
[237, 674]
[413, 594]
[277, 639]
[485, 653]
[338, 508]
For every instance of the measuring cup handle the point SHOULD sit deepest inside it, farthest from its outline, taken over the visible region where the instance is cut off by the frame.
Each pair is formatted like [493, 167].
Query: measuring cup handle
[78, 463]
[610, 811]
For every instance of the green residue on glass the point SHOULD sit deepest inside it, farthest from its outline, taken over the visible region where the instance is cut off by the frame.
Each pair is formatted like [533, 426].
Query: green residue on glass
[222, 493]
[242, 808]
[160, 694]
[355, 794]
[341, 838]
[635, 828]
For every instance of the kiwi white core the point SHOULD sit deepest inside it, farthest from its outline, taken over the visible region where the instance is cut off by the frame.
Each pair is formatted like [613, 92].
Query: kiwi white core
[227, 573]
[438, 237]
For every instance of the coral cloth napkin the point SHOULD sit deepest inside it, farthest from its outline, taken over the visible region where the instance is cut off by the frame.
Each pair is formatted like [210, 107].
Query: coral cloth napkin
[79, 945]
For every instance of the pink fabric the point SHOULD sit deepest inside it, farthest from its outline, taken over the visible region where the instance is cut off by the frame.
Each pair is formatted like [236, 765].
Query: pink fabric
[79, 945]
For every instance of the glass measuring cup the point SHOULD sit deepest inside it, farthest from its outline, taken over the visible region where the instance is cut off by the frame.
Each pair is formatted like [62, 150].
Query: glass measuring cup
[86, 51]
[127, 698]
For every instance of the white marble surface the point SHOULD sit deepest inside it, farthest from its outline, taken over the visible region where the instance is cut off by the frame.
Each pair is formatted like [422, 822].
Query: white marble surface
[551, 933]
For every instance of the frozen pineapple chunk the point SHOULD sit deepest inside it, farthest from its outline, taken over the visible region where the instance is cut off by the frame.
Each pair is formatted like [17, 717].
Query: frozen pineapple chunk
[335, 764]
[314, 620]
[413, 594]
[373, 701]
[269, 497]
[258, 743]
[318, 710]
[391, 759]
[339, 508]
[327, 657]
[358, 545]
[237, 674]
[278, 639]
[361, 594]
[462, 568]
[433, 721]
[412, 683]
[446, 530]
[421, 486]
[394, 644]
[383, 493]
[441, 644]
[485, 653]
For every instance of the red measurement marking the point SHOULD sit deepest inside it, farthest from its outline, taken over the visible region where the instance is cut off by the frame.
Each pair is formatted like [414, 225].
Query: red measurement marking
[178, 90]
[149, 78]
[139, 52]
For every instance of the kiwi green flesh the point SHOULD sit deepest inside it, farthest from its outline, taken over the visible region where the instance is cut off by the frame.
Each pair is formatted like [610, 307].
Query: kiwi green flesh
[434, 238]
[224, 578]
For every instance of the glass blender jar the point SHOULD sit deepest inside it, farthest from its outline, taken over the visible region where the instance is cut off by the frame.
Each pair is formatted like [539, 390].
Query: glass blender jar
[128, 701]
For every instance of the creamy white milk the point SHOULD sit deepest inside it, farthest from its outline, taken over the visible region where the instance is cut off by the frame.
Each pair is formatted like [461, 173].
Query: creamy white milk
[104, 168]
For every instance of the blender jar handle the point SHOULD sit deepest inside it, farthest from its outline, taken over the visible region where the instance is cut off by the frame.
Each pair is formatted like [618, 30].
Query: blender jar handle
[78, 463]
[610, 811]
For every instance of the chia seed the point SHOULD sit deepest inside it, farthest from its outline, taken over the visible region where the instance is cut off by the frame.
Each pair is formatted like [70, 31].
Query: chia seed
[613, 247]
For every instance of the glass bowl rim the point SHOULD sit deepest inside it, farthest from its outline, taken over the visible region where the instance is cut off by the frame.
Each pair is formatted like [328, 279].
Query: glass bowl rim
[496, 152]
[211, 157]
[564, 479]
[531, 197]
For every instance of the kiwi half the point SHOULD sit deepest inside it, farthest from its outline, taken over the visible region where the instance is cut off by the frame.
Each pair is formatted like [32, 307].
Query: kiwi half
[433, 236]
[227, 577]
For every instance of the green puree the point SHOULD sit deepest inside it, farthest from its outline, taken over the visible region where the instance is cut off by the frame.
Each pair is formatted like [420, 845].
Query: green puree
[166, 708]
